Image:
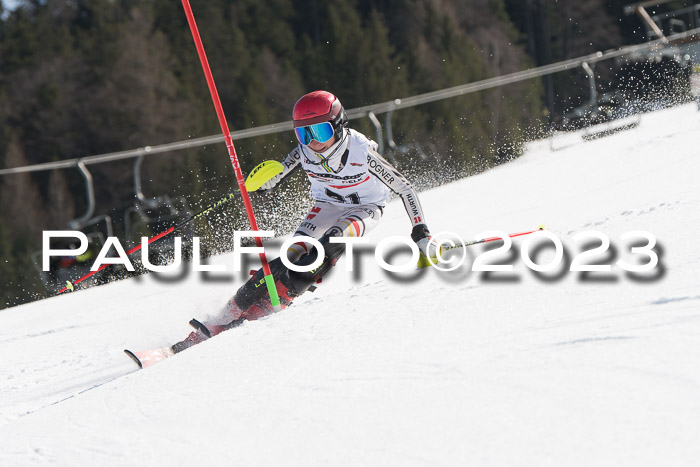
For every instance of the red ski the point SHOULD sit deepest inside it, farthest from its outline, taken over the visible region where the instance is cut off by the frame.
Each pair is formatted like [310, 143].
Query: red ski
[146, 358]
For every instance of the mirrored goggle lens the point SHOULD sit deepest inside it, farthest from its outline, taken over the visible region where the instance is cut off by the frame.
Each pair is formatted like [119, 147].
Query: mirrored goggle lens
[320, 132]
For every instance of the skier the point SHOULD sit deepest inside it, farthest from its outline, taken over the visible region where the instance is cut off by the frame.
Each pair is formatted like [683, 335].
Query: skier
[350, 183]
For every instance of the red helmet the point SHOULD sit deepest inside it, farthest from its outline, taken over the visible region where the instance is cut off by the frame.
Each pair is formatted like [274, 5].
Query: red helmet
[318, 107]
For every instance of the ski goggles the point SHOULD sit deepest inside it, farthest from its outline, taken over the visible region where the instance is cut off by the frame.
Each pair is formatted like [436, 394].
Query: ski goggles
[320, 132]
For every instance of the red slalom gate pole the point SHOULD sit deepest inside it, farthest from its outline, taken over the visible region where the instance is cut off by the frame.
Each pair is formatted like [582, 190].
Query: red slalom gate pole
[269, 280]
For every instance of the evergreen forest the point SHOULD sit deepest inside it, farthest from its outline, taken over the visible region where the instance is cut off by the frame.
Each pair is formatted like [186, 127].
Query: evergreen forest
[87, 77]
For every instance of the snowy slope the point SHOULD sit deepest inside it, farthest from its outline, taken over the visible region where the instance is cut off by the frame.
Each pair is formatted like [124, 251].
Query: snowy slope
[457, 368]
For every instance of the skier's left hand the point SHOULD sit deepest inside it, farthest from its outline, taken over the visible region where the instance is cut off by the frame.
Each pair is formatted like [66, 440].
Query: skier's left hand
[421, 235]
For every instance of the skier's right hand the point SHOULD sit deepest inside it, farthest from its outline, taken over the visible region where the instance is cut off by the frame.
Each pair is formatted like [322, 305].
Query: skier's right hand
[270, 184]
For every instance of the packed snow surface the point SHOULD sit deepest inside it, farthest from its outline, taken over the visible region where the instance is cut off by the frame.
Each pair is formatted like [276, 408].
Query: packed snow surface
[435, 368]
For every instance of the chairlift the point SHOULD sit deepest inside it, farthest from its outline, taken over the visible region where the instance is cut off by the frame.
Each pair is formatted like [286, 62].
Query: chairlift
[96, 229]
[148, 216]
[392, 149]
[604, 114]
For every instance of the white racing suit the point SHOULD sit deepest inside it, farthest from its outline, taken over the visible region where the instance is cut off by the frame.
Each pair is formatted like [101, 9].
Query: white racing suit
[350, 183]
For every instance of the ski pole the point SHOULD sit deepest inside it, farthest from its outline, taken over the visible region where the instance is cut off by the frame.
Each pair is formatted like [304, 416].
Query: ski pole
[491, 239]
[269, 280]
[70, 285]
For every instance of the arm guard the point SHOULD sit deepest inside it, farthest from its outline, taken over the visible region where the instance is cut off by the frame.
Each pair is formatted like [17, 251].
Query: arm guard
[291, 163]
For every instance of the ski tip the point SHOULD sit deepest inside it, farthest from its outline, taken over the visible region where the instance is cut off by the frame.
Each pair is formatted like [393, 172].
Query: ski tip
[133, 357]
[200, 327]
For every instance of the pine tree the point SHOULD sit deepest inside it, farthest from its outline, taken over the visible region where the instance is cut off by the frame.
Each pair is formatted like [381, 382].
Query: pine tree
[93, 76]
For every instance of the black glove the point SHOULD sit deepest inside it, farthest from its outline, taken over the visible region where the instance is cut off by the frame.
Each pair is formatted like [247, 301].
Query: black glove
[421, 235]
[420, 231]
